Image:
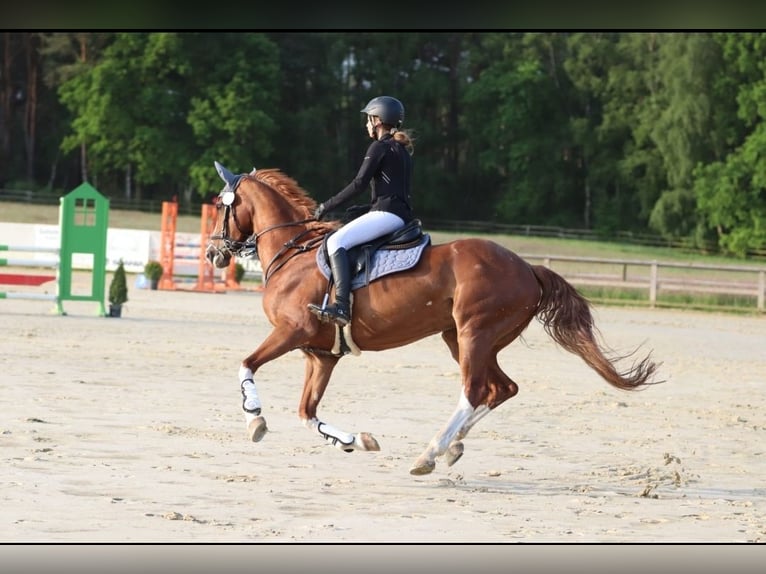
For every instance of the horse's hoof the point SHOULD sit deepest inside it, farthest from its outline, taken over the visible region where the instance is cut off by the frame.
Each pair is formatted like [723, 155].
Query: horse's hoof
[454, 452]
[366, 442]
[421, 468]
[257, 429]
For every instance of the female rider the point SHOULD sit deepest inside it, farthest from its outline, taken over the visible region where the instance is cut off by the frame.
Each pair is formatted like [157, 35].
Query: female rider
[387, 165]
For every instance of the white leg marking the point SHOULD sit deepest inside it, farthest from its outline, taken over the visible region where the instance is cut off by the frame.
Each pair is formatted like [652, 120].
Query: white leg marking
[462, 413]
[480, 412]
[249, 417]
[426, 462]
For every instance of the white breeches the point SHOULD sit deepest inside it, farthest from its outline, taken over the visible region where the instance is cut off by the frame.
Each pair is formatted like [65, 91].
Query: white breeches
[364, 228]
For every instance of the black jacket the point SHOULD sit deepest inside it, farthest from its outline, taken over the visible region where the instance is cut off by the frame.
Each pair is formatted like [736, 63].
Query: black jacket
[388, 166]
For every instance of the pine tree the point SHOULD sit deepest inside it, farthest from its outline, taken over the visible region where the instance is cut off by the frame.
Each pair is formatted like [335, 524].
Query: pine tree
[118, 290]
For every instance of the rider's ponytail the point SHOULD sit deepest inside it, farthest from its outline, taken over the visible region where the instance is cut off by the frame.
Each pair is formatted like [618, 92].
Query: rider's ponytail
[404, 138]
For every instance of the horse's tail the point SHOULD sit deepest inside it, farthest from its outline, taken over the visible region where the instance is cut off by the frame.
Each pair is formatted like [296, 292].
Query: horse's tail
[566, 317]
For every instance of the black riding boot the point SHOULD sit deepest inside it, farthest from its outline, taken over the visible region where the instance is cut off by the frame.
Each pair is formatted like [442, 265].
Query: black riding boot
[340, 311]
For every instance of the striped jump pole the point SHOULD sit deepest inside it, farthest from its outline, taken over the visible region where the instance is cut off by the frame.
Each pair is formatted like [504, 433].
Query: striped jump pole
[5, 262]
[83, 224]
[28, 280]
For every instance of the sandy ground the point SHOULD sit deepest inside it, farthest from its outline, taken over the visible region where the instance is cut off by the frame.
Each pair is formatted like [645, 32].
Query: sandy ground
[130, 430]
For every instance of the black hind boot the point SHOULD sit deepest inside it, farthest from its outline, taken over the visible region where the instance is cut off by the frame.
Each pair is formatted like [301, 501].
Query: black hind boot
[340, 310]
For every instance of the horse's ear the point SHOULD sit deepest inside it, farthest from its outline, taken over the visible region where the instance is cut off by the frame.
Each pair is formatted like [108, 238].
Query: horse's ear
[226, 175]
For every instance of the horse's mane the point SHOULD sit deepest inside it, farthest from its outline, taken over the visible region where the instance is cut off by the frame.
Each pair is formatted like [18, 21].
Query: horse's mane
[295, 194]
[287, 187]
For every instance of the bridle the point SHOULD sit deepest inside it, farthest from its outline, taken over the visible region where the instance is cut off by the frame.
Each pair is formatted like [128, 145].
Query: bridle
[239, 248]
[249, 247]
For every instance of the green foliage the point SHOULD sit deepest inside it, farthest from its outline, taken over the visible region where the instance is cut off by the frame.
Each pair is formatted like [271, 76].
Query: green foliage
[239, 272]
[118, 288]
[731, 192]
[517, 93]
[155, 92]
[153, 270]
[732, 196]
[232, 103]
[683, 130]
[600, 130]
[129, 107]
[673, 214]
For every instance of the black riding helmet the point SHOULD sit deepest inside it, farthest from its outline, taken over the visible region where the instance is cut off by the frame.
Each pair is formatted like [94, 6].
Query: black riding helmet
[388, 109]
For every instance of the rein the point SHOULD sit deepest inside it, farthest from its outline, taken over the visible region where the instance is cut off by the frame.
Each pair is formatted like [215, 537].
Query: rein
[292, 244]
[250, 246]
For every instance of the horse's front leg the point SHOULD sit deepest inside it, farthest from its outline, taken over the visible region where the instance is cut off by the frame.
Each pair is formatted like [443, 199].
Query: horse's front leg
[319, 368]
[279, 342]
[251, 405]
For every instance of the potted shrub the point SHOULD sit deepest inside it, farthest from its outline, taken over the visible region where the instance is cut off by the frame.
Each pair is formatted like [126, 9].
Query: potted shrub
[239, 273]
[153, 271]
[118, 291]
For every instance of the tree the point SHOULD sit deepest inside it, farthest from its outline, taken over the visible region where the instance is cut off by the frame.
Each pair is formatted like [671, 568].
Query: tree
[517, 107]
[631, 108]
[684, 131]
[233, 89]
[128, 110]
[601, 130]
[589, 66]
[731, 192]
[64, 55]
[186, 98]
[8, 95]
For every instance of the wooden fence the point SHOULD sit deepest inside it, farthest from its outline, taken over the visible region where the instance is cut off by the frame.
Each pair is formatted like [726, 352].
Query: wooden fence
[658, 276]
[653, 276]
[460, 226]
[647, 239]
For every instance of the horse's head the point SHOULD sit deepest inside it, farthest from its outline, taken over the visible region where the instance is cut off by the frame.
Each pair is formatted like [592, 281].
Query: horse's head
[282, 206]
[234, 221]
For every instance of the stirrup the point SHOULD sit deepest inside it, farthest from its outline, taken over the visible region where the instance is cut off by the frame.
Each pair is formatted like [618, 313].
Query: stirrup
[339, 318]
[331, 313]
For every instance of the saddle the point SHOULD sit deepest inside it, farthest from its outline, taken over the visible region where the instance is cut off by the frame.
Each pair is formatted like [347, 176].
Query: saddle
[387, 254]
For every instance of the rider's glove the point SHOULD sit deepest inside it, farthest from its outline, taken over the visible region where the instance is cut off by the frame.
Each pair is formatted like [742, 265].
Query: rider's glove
[319, 212]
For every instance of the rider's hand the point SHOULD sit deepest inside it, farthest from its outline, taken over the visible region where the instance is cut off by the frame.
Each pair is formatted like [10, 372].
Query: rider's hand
[319, 212]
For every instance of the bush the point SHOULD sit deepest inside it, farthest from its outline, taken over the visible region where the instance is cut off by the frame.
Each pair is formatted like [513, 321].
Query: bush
[239, 272]
[118, 289]
[153, 270]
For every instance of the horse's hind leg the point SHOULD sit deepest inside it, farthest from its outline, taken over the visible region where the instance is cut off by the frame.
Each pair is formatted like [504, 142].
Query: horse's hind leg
[502, 389]
[474, 354]
[455, 448]
[426, 462]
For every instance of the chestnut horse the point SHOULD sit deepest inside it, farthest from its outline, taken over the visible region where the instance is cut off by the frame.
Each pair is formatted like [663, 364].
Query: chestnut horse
[479, 295]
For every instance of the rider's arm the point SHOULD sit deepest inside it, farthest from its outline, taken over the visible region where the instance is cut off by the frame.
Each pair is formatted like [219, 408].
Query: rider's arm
[363, 177]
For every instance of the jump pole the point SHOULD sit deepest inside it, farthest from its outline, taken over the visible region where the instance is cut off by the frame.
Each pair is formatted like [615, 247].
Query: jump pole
[24, 279]
[83, 224]
[28, 280]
